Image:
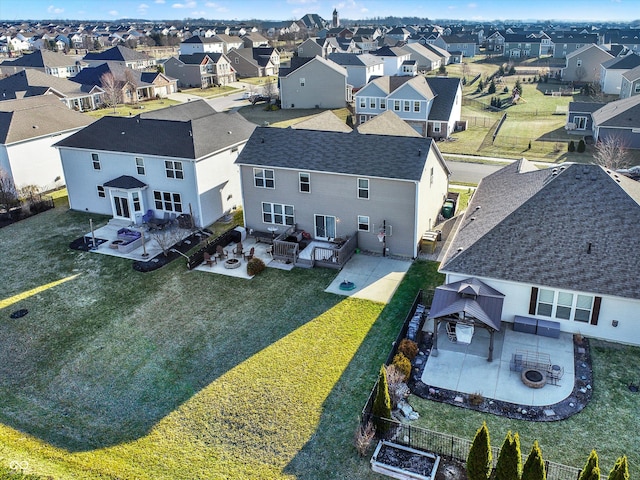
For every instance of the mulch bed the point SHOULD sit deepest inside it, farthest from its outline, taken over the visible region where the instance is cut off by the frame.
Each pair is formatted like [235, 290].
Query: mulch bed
[574, 403]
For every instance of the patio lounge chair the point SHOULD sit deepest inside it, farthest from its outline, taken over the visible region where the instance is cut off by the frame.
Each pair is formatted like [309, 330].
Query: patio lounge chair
[451, 332]
[237, 251]
[221, 252]
[209, 261]
[249, 256]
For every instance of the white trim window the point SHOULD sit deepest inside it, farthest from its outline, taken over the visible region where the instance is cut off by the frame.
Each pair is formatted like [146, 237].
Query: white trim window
[363, 102]
[363, 188]
[137, 204]
[416, 106]
[581, 123]
[277, 214]
[363, 119]
[363, 223]
[304, 180]
[140, 165]
[95, 159]
[173, 169]
[407, 106]
[302, 81]
[637, 88]
[383, 104]
[578, 63]
[437, 127]
[396, 105]
[167, 201]
[101, 192]
[372, 103]
[564, 305]
[264, 178]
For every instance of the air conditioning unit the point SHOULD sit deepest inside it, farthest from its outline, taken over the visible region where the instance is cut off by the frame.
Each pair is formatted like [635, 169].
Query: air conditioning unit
[570, 126]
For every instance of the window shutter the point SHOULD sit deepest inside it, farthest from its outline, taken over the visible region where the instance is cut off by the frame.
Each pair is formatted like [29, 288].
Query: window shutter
[534, 300]
[596, 310]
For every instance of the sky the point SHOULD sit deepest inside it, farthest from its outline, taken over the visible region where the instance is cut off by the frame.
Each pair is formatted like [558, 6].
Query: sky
[479, 10]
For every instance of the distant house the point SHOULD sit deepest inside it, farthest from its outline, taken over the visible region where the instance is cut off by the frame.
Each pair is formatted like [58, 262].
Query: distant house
[426, 59]
[393, 58]
[550, 267]
[521, 45]
[130, 58]
[630, 84]
[564, 43]
[579, 117]
[28, 129]
[611, 72]
[254, 39]
[583, 65]
[312, 47]
[432, 106]
[458, 45]
[619, 120]
[200, 70]
[171, 161]
[314, 83]
[255, 62]
[345, 185]
[201, 44]
[360, 68]
[30, 83]
[46, 61]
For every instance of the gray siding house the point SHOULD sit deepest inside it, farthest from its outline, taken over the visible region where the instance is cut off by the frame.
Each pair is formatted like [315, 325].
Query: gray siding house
[583, 65]
[619, 120]
[200, 70]
[316, 83]
[336, 185]
[579, 120]
[630, 83]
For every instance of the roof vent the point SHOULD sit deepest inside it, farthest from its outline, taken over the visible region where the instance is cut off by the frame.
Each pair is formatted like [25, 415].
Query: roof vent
[589, 247]
[472, 218]
[229, 132]
[262, 140]
[478, 207]
[121, 133]
[190, 133]
[459, 249]
[419, 152]
[34, 126]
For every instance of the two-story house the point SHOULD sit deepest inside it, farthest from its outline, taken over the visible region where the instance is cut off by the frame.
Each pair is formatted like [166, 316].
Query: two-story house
[129, 58]
[459, 45]
[200, 70]
[563, 43]
[51, 63]
[393, 58]
[630, 83]
[343, 184]
[255, 62]
[314, 83]
[583, 65]
[360, 68]
[611, 72]
[432, 106]
[426, 60]
[201, 44]
[520, 45]
[176, 160]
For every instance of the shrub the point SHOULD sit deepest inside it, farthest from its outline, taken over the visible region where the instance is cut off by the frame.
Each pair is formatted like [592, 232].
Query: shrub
[505, 89]
[403, 364]
[364, 437]
[255, 266]
[581, 146]
[509, 464]
[529, 145]
[492, 87]
[572, 146]
[512, 70]
[533, 468]
[398, 389]
[476, 398]
[479, 459]
[591, 467]
[408, 348]
[620, 470]
[382, 403]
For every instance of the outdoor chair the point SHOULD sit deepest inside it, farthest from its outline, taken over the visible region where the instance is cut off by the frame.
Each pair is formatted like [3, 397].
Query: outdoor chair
[249, 256]
[221, 252]
[237, 251]
[451, 332]
[270, 250]
[209, 261]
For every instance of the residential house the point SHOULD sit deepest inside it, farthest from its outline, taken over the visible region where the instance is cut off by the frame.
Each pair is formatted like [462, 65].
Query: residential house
[255, 62]
[312, 21]
[254, 39]
[46, 61]
[611, 72]
[459, 45]
[311, 48]
[200, 44]
[28, 129]
[130, 58]
[520, 45]
[399, 34]
[579, 117]
[172, 161]
[630, 83]
[364, 44]
[314, 83]
[134, 84]
[200, 70]
[231, 42]
[387, 123]
[494, 42]
[564, 43]
[426, 59]
[360, 68]
[30, 82]
[583, 65]
[618, 120]
[393, 58]
[551, 266]
[432, 106]
[344, 185]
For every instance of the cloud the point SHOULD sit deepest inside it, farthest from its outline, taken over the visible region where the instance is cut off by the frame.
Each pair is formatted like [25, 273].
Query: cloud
[113, 13]
[159, 1]
[198, 13]
[143, 7]
[190, 4]
[301, 2]
[56, 10]
[211, 5]
[472, 5]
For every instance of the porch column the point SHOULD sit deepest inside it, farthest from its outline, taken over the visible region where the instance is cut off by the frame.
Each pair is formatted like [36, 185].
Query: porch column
[490, 359]
[434, 347]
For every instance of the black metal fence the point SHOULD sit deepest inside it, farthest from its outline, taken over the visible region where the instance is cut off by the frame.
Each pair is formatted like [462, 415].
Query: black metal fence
[210, 245]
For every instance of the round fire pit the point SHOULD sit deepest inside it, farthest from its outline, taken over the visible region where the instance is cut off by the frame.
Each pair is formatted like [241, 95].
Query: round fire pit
[533, 378]
[232, 263]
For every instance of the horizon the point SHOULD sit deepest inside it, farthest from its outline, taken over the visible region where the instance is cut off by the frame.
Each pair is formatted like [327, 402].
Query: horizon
[587, 11]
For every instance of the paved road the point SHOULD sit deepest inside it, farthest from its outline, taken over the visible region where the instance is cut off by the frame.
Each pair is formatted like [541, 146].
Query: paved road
[463, 172]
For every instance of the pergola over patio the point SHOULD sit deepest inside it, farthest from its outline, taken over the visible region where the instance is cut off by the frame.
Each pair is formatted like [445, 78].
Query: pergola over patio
[468, 302]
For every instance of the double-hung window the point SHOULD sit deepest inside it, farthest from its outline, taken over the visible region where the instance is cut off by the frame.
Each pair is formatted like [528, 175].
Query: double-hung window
[372, 103]
[167, 201]
[363, 102]
[564, 305]
[173, 169]
[396, 105]
[363, 188]
[277, 213]
[95, 159]
[416, 106]
[101, 192]
[140, 165]
[263, 178]
[305, 182]
[407, 106]
[383, 104]
[363, 223]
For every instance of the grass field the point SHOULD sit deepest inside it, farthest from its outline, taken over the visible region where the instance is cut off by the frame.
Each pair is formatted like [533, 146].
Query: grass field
[178, 374]
[284, 118]
[127, 110]
[210, 92]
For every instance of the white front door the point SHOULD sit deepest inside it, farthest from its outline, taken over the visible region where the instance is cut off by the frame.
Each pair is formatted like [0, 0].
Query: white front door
[121, 209]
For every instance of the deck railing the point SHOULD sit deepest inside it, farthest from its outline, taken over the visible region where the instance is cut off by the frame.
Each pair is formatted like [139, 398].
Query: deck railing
[335, 257]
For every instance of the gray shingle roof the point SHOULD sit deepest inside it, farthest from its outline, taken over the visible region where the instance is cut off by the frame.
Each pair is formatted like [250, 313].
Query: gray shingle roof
[353, 154]
[584, 107]
[534, 227]
[623, 113]
[117, 53]
[197, 58]
[445, 89]
[183, 132]
[41, 59]
[125, 181]
[37, 116]
[354, 59]
[622, 63]
[34, 82]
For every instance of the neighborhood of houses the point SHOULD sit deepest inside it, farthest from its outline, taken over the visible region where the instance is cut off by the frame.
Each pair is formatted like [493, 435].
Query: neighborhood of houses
[541, 237]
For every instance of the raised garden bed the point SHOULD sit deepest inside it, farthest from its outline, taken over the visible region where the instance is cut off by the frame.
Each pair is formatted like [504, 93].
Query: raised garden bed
[398, 461]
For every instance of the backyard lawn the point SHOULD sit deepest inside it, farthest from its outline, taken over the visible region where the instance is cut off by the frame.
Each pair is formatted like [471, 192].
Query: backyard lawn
[123, 110]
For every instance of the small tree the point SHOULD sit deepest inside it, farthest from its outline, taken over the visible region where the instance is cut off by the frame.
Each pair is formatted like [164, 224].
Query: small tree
[512, 70]
[589, 467]
[382, 403]
[398, 389]
[8, 192]
[442, 70]
[166, 238]
[581, 146]
[480, 85]
[611, 153]
[509, 465]
[571, 147]
[620, 470]
[492, 87]
[112, 90]
[364, 437]
[533, 468]
[479, 460]
[517, 89]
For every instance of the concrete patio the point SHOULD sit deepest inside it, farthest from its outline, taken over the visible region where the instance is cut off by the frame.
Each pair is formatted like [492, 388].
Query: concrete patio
[465, 369]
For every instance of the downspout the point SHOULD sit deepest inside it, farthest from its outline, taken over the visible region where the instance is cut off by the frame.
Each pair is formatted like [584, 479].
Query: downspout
[416, 210]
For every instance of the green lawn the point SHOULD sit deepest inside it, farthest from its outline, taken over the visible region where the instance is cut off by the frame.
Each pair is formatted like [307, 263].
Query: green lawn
[127, 110]
[284, 118]
[210, 92]
[178, 374]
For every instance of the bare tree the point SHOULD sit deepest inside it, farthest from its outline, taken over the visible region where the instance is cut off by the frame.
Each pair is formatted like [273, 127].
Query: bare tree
[580, 73]
[8, 192]
[112, 90]
[269, 88]
[132, 84]
[611, 153]
[167, 237]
